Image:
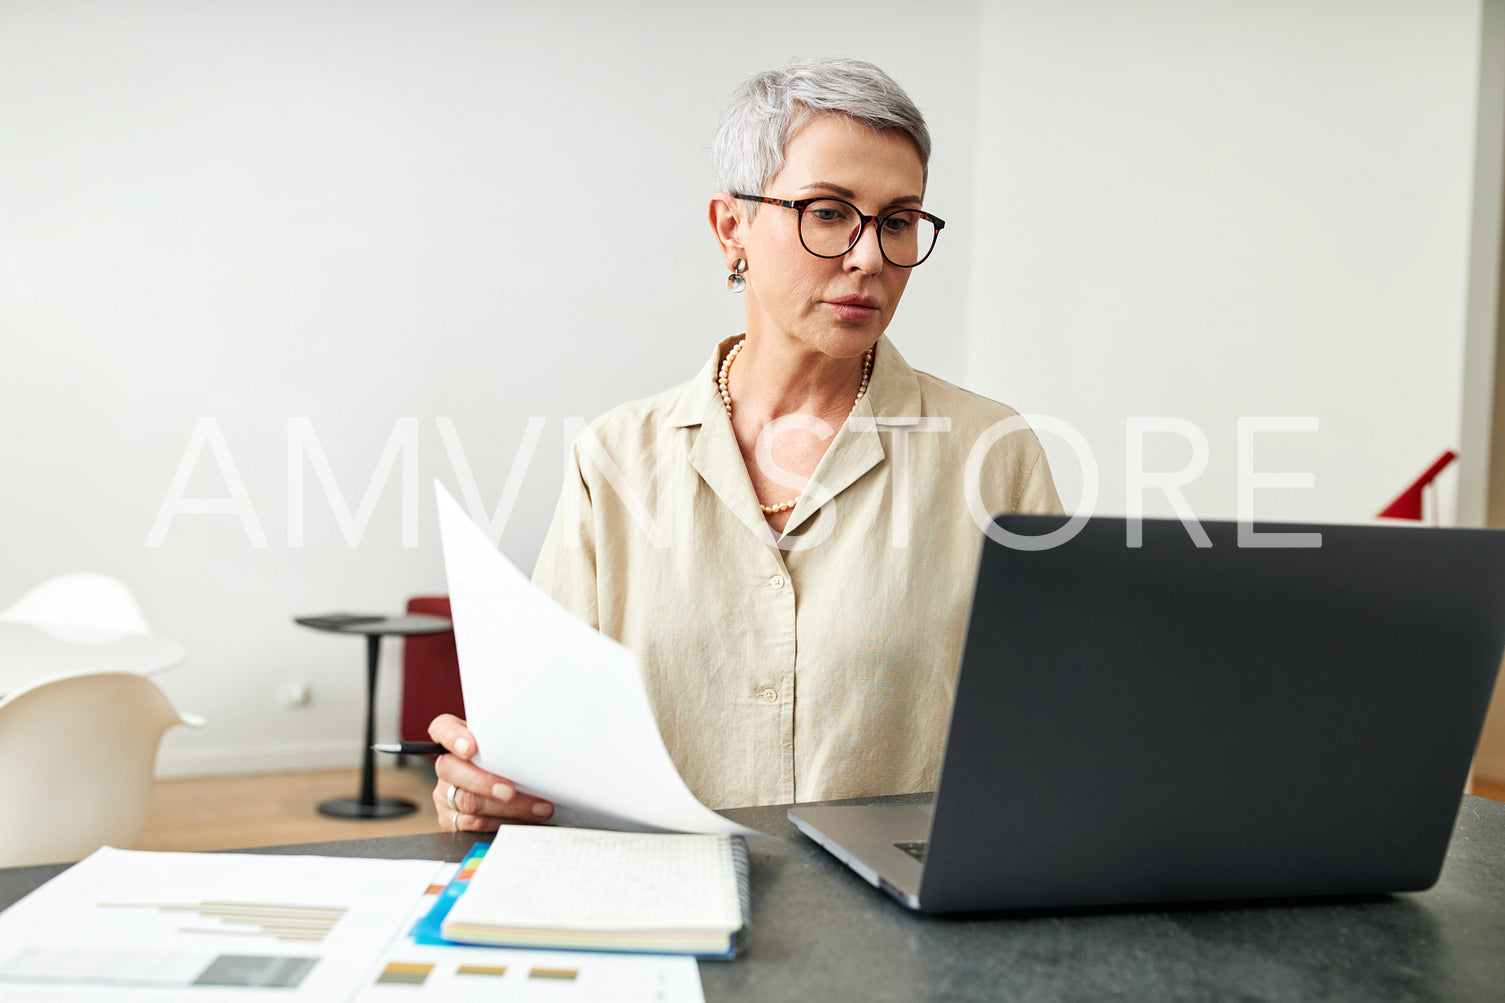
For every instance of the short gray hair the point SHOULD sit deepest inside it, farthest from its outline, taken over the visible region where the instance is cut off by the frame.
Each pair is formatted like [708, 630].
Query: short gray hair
[769, 108]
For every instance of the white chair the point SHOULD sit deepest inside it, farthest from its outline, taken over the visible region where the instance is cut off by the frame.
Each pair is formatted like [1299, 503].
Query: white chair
[82, 600]
[77, 753]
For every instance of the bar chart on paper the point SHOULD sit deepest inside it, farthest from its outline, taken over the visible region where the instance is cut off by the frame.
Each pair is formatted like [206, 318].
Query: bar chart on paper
[279, 923]
[503, 974]
[100, 968]
[276, 921]
[224, 925]
[473, 975]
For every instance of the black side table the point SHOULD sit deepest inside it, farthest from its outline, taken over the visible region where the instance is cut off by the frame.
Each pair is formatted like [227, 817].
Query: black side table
[368, 805]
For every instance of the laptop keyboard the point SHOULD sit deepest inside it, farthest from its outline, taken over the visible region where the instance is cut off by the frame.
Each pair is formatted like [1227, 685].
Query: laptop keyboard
[914, 847]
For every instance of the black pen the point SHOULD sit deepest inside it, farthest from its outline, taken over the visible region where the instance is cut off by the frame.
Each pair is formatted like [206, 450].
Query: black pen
[411, 748]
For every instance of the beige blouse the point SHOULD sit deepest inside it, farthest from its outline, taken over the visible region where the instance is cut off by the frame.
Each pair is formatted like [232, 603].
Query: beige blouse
[816, 665]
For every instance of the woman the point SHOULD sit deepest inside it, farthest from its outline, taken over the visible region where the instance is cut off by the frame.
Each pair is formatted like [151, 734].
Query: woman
[785, 541]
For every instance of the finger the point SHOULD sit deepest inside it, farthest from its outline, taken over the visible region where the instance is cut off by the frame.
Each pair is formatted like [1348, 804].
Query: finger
[458, 822]
[478, 823]
[450, 732]
[467, 776]
[524, 811]
[454, 820]
[479, 793]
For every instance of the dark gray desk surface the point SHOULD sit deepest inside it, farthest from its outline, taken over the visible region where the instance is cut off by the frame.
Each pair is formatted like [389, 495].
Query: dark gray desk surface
[820, 934]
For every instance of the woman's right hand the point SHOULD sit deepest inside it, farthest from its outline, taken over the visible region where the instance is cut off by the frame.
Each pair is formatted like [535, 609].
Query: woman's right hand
[466, 796]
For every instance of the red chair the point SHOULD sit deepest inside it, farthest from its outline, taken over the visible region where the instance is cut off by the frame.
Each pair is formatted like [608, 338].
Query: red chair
[430, 673]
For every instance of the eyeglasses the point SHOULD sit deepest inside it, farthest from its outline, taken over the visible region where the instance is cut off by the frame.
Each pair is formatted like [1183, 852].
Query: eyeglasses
[830, 227]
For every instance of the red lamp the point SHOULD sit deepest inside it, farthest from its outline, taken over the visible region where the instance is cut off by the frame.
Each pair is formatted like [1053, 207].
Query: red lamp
[1408, 504]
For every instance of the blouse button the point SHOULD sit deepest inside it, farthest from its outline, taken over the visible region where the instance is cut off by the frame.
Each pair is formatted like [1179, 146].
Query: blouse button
[770, 694]
[776, 582]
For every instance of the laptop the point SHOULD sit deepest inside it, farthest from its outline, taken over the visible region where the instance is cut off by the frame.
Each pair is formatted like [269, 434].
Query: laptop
[1171, 723]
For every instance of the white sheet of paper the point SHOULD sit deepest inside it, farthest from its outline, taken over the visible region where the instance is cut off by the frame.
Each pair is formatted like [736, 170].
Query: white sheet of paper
[133, 925]
[557, 707]
[130, 926]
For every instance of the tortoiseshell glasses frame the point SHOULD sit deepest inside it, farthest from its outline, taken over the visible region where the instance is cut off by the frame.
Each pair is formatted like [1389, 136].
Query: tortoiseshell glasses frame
[897, 224]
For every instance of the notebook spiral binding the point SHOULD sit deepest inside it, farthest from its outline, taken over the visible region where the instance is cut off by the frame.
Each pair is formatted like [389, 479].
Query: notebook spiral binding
[738, 847]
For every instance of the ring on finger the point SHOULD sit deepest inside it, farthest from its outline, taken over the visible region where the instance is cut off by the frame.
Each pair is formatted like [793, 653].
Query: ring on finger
[456, 823]
[451, 799]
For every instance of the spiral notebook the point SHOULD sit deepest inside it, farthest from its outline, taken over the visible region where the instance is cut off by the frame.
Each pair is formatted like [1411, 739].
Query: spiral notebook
[598, 890]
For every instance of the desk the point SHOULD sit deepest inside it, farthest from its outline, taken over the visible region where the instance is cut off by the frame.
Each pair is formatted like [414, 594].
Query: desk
[29, 653]
[819, 933]
[368, 805]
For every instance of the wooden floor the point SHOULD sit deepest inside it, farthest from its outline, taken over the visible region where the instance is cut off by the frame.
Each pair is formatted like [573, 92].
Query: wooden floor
[271, 809]
[1492, 789]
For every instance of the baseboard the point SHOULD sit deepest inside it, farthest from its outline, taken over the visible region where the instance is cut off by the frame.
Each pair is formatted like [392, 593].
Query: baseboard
[293, 756]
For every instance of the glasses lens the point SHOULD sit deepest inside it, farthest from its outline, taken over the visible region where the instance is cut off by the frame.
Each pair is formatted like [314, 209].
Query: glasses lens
[829, 227]
[907, 237]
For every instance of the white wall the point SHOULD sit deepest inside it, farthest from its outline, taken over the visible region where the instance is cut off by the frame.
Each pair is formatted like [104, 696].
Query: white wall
[493, 212]
[356, 213]
[1215, 210]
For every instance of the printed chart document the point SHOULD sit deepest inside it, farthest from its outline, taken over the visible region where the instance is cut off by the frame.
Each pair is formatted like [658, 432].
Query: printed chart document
[138, 926]
[556, 706]
[228, 926]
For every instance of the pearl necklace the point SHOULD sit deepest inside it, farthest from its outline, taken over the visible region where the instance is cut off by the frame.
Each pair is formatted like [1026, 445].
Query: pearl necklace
[726, 400]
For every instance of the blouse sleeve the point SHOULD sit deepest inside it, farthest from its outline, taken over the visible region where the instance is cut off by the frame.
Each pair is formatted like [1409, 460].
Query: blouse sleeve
[1036, 489]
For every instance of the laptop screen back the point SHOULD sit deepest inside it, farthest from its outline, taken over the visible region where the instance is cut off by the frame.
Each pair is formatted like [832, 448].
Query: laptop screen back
[1174, 723]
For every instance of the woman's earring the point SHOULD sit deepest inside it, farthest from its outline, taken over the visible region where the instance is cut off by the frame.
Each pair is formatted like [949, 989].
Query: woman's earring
[735, 283]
